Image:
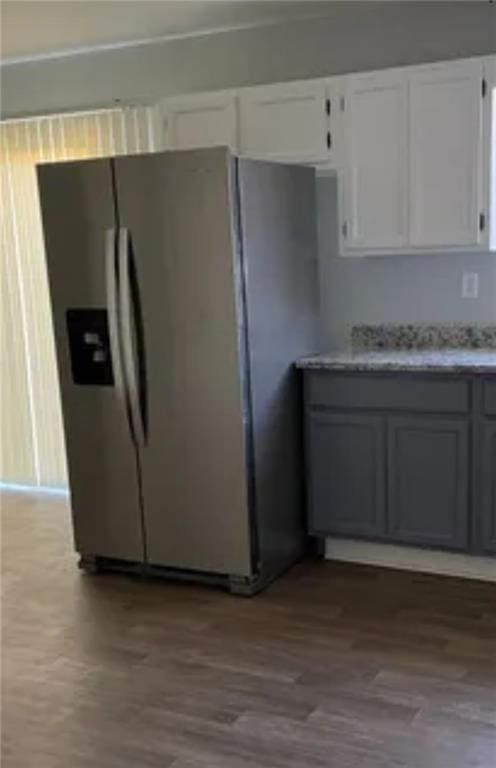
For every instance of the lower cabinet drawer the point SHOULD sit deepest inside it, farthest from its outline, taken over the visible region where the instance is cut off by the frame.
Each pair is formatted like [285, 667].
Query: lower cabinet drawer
[428, 481]
[388, 392]
[346, 465]
[489, 396]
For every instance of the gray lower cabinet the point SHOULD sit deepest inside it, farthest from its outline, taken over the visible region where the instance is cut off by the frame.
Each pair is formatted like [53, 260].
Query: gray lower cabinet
[428, 480]
[488, 485]
[346, 467]
[401, 457]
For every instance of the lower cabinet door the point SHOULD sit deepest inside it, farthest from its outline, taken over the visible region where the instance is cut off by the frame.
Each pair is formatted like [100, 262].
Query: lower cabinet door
[347, 474]
[428, 481]
[488, 481]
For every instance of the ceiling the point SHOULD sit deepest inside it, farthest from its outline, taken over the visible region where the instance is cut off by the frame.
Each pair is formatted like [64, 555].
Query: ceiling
[53, 27]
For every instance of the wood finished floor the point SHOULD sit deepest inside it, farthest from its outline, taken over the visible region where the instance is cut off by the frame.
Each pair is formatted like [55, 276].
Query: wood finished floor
[335, 665]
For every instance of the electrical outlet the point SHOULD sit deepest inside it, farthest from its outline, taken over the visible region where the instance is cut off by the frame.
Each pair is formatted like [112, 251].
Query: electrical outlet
[470, 285]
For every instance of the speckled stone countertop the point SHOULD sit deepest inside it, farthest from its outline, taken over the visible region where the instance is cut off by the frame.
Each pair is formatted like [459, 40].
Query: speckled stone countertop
[408, 336]
[430, 348]
[429, 360]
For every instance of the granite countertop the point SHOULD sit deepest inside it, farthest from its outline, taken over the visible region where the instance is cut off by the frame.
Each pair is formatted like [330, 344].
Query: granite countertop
[431, 360]
[434, 348]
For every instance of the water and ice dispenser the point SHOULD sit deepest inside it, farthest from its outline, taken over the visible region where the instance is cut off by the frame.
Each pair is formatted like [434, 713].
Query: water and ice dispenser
[89, 345]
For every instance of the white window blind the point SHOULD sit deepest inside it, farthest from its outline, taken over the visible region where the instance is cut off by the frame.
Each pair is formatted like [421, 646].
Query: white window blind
[32, 441]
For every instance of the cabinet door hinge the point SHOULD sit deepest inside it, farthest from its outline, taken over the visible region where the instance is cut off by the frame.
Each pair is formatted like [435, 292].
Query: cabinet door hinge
[341, 103]
[344, 229]
[484, 87]
[328, 106]
[329, 140]
[482, 222]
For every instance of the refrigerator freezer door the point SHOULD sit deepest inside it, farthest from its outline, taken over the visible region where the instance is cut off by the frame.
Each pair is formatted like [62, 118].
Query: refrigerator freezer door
[178, 208]
[79, 225]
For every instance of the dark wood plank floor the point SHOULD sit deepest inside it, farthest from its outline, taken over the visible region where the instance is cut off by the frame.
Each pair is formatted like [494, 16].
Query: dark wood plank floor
[335, 665]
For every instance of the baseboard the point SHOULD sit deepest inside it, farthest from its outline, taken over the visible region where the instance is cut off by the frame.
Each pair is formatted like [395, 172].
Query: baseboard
[411, 559]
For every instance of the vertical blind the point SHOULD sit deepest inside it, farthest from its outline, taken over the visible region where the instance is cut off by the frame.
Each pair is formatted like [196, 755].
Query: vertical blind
[32, 441]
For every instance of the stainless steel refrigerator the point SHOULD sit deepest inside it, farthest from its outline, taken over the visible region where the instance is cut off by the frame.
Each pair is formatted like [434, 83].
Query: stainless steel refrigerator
[183, 287]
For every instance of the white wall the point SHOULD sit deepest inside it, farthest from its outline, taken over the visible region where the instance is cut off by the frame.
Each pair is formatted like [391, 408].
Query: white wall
[420, 288]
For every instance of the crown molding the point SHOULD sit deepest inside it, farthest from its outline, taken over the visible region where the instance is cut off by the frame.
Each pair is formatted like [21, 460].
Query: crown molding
[148, 41]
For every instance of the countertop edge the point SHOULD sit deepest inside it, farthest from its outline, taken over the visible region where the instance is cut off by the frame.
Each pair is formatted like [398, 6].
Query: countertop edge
[397, 367]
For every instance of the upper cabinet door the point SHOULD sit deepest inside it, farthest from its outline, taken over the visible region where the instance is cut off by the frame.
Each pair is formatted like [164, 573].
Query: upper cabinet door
[446, 154]
[489, 156]
[286, 122]
[201, 120]
[335, 132]
[375, 177]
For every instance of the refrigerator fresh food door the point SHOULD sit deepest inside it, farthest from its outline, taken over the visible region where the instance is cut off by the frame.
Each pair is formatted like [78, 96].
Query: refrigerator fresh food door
[81, 248]
[177, 211]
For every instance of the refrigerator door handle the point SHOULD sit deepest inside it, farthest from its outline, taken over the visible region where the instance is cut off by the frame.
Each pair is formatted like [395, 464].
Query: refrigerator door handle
[113, 313]
[131, 337]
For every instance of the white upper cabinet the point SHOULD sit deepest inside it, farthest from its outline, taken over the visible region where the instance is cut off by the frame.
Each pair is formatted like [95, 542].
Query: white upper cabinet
[374, 192]
[446, 155]
[490, 157]
[414, 148]
[335, 138]
[201, 120]
[417, 169]
[288, 122]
